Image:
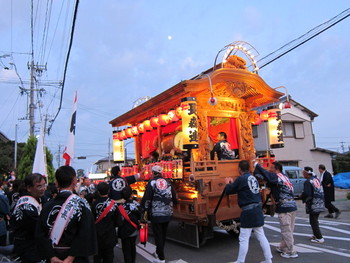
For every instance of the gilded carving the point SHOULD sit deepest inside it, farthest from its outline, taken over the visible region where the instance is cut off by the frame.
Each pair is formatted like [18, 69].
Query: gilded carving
[247, 141]
[203, 135]
[235, 62]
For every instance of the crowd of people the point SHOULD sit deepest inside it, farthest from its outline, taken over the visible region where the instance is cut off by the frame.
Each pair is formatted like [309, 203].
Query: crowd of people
[73, 220]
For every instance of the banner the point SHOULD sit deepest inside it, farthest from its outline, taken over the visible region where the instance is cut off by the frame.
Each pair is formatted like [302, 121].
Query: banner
[68, 153]
[39, 165]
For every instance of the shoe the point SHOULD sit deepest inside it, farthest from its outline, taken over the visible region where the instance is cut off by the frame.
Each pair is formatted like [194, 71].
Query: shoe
[158, 261]
[279, 250]
[318, 240]
[337, 214]
[328, 216]
[289, 255]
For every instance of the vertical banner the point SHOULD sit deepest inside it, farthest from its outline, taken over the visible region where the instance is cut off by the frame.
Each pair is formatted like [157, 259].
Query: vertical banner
[275, 128]
[118, 149]
[68, 153]
[39, 165]
[189, 122]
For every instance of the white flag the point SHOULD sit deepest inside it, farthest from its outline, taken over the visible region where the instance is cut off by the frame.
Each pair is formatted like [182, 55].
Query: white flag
[68, 152]
[39, 165]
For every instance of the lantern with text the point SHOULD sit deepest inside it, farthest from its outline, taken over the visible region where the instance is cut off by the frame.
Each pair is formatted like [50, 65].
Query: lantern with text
[275, 128]
[264, 115]
[141, 128]
[128, 133]
[154, 122]
[147, 125]
[163, 120]
[189, 122]
[134, 131]
[172, 116]
[118, 149]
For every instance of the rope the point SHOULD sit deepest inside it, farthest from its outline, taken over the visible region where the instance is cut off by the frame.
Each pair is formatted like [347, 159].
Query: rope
[233, 227]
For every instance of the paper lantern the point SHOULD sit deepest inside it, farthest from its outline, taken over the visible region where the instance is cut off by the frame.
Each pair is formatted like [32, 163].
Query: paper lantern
[116, 135]
[163, 120]
[264, 115]
[118, 149]
[178, 112]
[141, 128]
[154, 122]
[189, 122]
[128, 133]
[123, 135]
[147, 125]
[134, 131]
[172, 116]
[275, 128]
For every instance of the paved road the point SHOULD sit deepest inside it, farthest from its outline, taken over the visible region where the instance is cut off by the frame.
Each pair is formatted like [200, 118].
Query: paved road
[224, 248]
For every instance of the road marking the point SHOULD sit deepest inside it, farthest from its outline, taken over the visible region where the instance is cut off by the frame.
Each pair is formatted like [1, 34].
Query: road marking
[148, 250]
[326, 222]
[307, 235]
[298, 248]
[326, 227]
[326, 250]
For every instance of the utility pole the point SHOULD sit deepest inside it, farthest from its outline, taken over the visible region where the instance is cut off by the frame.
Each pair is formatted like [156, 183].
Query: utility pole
[58, 158]
[109, 153]
[15, 157]
[342, 146]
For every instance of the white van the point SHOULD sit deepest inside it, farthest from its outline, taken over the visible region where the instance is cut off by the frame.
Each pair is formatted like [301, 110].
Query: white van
[296, 177]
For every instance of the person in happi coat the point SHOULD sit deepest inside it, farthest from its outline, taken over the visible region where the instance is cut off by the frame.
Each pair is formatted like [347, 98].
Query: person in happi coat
[66, 228]
[118, 183]
[107, 218]
[25, 216]
[128, 230]
[158, 201]
[252, 218]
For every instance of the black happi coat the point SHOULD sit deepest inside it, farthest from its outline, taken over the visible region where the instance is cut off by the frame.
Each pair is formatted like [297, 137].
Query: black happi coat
[117, 185]
[79, 236]
[134, 212]
[249, 199]
[105, 229]
[158, 199]
[328, 190]
[24, 219]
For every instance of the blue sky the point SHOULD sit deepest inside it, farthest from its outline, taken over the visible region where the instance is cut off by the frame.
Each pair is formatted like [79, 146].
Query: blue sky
[121, 52]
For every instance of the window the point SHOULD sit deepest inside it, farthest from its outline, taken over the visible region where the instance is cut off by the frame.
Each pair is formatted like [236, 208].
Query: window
[255, 131]
[288, 129]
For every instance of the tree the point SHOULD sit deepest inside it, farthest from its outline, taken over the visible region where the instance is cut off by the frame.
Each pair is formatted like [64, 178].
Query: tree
[25, 166]
[341, 163]
[7, 153]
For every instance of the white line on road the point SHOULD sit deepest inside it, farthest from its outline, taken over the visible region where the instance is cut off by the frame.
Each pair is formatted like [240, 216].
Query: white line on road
[298, 248]
[326, 227]
[307, 235]
[148, 250]
[325, 250]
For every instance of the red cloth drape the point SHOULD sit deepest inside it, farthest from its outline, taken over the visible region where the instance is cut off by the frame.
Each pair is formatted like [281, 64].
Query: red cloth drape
[227, 125]
[149, 143]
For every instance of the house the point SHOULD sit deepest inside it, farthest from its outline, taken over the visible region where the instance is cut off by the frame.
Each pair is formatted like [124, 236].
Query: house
[3, 138]
[299, 140]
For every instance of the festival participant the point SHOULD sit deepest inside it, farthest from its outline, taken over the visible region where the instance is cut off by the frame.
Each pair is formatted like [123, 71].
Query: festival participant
[252, 218]
[107, 218]
[327, 182]
[286, 207]
[313, 198]
[128, 231]
[158, 201]
[25, 217]
[66, 229]
[222, 148]
[118, 183]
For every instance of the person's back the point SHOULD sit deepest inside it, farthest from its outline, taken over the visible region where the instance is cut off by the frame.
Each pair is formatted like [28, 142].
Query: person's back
[118, 183]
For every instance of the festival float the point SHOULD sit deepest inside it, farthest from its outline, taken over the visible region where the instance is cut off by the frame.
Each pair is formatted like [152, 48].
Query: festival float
[177, 129]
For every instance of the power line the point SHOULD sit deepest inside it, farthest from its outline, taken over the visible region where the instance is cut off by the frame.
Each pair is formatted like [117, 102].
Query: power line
[66, 64]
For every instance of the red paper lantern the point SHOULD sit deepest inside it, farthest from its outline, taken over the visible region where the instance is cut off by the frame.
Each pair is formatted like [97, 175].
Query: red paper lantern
[147, 125]
[264, 115]
[154, 122]
[172, 116]
[178, 112]
[128, 133]
[163, 120]
[122, 135]
[258, 121]
[134, 131]
[116, 135]
[141, 128]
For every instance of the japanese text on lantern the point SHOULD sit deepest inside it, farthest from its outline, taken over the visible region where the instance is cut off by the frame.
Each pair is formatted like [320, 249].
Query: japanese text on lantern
[275, 128]
[189, 122]
[118, 149]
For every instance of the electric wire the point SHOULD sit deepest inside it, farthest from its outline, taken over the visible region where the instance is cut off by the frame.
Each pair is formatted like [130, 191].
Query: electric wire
[66, 64]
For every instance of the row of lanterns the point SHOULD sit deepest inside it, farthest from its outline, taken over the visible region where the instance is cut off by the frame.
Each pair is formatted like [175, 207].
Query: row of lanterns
[148, 125]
